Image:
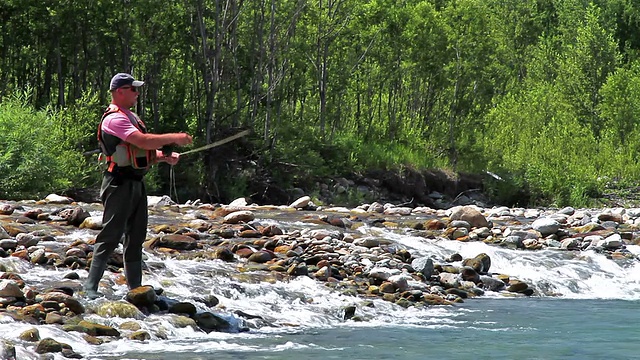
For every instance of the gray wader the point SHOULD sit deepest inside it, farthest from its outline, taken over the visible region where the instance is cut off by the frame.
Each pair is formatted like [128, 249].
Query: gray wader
[125, 213]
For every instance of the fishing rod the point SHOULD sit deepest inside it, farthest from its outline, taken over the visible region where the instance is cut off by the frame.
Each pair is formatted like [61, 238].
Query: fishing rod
[217, 143]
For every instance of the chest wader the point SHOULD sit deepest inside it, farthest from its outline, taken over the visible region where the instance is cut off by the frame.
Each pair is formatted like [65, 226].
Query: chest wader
[124, 197]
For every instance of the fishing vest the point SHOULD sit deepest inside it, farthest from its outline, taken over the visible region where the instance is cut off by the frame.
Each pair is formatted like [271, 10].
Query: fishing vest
[123, 158]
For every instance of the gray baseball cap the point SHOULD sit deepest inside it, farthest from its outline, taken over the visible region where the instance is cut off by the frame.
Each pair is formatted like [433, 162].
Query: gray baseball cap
[124, 79]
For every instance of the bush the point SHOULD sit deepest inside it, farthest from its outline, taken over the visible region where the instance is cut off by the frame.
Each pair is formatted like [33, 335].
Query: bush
[35, 158]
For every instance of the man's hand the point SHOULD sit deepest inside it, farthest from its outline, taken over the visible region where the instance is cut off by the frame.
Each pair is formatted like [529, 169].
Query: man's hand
[182, 139]
[170, 159]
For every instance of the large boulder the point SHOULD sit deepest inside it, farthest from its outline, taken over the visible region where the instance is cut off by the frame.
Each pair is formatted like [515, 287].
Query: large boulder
[471, 215]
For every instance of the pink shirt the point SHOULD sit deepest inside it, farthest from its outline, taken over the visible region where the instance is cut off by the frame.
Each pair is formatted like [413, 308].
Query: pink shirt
[118, 124]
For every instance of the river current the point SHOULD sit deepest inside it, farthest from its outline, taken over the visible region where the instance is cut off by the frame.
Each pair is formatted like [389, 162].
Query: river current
[587, 307]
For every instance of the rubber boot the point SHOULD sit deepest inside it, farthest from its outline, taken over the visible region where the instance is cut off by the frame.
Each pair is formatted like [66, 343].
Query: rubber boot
[133, 273]
[93, 279]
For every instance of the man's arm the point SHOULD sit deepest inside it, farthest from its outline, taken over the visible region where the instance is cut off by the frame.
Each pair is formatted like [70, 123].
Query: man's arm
[156, 141]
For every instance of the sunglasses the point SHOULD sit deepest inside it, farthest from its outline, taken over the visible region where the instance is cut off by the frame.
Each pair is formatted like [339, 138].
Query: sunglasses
[133, 88]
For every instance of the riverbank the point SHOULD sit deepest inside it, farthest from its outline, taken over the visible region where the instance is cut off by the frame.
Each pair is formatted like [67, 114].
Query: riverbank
[368, 253]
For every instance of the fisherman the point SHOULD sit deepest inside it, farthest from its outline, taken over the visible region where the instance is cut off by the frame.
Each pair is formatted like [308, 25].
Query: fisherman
[130, 151]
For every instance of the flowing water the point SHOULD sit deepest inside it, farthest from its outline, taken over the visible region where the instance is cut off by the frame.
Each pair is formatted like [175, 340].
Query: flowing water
[589, 309]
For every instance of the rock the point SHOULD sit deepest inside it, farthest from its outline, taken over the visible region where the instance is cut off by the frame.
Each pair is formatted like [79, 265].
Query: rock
[492, 284]
[53, 318]
[402, 211]
[69, 301]
[158, 201]
[120, 309]
[200, 225]
[57, 199]
[517, 286]
[223, 253]
[424, 266]
[183, 308]
[367, 242]
[301, 203]
[30, 335]
[4, 234]
[74, 216]
[92, 222]
[140, 335]
[469, 274]
[612, 242]
[176, 242]
[449, 279]
[209, 322]
[382, 273]
[48, 345]
[469, 214]
[400, 281]
[8, 288]
[546, 226]
[6, 209]
[237, 217]
[260, 257]
[8, 244]
[181, 321]
[481, 263]
[95, 329]
[142, 296]
[38, 257]
[349, 312]
[239, 202]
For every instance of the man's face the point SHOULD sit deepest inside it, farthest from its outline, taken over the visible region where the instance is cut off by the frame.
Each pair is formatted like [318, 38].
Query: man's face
[128, 95]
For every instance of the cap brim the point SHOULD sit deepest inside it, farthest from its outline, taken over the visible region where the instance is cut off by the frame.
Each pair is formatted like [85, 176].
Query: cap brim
[137, 83]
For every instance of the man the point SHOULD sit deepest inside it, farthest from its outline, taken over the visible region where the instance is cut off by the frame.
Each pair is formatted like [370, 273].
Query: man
[130, 150]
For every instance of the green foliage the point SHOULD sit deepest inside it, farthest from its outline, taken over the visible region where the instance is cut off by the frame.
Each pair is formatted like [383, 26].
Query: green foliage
[34, 156]
[544, 93]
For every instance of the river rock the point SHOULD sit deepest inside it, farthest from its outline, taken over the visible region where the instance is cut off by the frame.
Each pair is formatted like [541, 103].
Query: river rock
[140, 335]
[546, 226]
[612, 242]
[237, 217]
[74, 216]
[402, 211]
[400, 281]
[142, 296]
[30, 335]
[69, 301]
[95, 329]
[92, 222]
[8, 288]
[301, 203]
[210, 322]
[57, 199]
[176, 242]
[4, 234]
[158, 201]
[239, 202]
[8, 244]
[183, 308]
[260, 257]
[367, 242]
[491, 283]
[469, 214]
[423, 265]
[48, 345]
[6, 209]
[119, 309]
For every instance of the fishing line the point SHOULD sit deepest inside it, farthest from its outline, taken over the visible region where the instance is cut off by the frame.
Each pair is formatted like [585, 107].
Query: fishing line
[172, 184]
